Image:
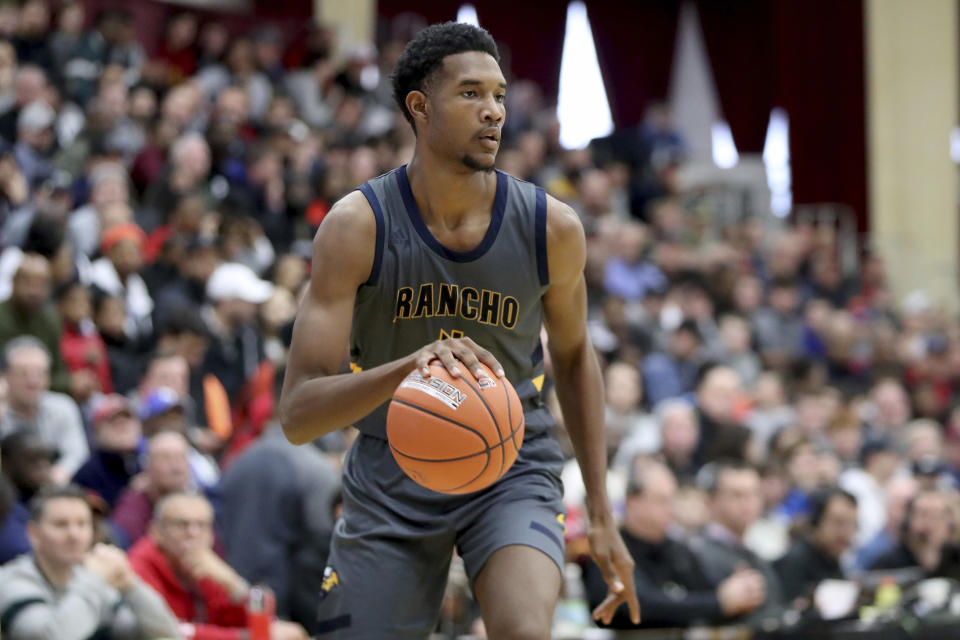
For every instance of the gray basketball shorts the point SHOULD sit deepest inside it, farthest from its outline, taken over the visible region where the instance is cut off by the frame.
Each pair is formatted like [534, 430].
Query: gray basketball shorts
[391, 551]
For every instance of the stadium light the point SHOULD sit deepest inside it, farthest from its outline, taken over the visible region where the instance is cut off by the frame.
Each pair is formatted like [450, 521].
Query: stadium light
[582, 107]
[468, 14]
[776, 160]
[724, 149]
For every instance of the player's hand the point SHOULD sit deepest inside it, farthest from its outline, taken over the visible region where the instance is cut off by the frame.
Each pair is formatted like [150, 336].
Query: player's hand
[455, 354]
[616, 565]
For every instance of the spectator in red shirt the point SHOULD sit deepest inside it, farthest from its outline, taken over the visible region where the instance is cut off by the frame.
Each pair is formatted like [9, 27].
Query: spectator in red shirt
[83, 350]
[204, 592]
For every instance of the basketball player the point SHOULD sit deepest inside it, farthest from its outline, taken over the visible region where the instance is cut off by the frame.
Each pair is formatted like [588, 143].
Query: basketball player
[447, 259]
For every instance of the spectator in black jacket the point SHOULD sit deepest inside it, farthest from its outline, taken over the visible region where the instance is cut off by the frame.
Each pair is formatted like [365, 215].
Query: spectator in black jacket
[816, 557]
[670, 581]
[925, 535]
[114, 460]
[736, 503]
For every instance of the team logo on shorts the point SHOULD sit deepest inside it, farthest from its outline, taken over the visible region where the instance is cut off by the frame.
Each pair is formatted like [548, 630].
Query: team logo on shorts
[331, 580]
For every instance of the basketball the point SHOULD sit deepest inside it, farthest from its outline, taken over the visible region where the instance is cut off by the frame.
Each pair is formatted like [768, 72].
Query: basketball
[455, 435]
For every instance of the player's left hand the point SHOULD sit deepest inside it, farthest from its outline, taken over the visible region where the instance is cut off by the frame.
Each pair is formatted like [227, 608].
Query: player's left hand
[616, 565]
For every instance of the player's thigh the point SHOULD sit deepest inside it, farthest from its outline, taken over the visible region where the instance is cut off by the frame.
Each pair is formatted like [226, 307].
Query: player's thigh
[377, 588]
[517, 590]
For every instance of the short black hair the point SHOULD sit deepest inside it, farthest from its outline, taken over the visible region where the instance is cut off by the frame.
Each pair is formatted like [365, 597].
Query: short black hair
[821, 499]
[425, 53]
[182, 320]
[708, 478]
[38, 503]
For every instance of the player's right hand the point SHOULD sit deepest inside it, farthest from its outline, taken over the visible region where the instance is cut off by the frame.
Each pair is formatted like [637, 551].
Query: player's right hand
[455, 354]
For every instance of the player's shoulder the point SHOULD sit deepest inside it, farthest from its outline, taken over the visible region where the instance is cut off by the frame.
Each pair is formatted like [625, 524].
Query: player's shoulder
[346, 239]
[563, 223]
[350, 216]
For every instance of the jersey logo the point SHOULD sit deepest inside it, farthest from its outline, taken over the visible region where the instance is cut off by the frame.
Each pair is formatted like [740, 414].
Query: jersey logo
[448, 300]
[436, 388]
[331, 580]
[454, 333]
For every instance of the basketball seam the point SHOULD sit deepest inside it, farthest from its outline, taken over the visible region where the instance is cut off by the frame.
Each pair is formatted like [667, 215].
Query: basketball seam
[451, 489]
[442, 417]
[485, 451]
[503, 449]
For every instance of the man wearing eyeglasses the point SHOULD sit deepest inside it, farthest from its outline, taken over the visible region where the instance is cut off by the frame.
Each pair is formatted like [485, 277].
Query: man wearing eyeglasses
[205, 593]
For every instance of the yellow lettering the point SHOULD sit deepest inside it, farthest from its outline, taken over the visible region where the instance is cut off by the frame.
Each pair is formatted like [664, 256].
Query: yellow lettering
[404, 303]
[424, 308]
[447, 303]
[468, 303]
[489, 307]
[511, 312]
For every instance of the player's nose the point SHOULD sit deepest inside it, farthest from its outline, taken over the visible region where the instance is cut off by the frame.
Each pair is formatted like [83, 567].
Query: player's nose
[493, 111]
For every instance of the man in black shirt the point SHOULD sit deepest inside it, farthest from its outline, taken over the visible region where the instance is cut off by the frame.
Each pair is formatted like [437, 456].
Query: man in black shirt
[926, 534]
[736, 503]
[816, 557]
[670, 581]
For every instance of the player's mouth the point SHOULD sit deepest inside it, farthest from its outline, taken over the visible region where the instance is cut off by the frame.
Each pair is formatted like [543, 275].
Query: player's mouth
[490, 139]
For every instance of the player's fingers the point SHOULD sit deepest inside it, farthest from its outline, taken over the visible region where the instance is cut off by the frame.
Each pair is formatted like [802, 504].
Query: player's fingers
[630, 595]
[449, 361]
[605, 610]
[485, 357]
[469, 360]
[423, 362]
[610, 575]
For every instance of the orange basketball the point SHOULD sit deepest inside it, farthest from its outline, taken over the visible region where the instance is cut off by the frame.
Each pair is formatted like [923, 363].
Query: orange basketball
[455, 435]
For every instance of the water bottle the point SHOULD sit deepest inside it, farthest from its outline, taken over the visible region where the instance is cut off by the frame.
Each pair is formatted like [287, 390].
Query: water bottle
[261, 608]
[888, 593]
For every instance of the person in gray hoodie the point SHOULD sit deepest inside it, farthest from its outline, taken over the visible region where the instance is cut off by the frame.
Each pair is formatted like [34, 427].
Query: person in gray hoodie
[66, 590]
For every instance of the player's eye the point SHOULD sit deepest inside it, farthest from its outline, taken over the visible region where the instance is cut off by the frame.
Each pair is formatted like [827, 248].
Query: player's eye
[469, 93]
[501, 97]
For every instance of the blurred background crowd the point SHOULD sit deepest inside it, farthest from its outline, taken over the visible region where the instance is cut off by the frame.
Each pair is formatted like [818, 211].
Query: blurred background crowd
[774, 416]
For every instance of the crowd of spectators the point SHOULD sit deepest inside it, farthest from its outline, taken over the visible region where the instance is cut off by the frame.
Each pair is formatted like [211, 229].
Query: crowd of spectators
[772, 420]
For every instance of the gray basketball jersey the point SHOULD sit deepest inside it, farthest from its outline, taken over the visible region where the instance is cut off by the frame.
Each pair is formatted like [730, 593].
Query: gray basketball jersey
[420, 291]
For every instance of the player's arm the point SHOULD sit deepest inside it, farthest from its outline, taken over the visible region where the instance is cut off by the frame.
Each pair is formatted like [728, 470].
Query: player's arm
[580, 392]
[316, 399]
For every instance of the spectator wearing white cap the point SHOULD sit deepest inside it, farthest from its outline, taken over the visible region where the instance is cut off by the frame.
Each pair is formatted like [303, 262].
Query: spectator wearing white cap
[236, 349]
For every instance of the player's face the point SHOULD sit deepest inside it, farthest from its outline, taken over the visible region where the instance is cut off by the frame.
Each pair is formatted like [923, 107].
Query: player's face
[467, 109]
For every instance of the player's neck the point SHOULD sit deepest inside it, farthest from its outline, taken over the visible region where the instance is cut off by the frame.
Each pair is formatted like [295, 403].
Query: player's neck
[446, 193]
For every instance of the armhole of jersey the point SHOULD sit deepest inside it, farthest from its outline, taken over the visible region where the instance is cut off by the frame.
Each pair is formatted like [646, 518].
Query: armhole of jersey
[541, 237]
[371, 197]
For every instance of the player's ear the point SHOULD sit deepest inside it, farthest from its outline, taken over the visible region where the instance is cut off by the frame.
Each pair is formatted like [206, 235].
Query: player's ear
[417, 105]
